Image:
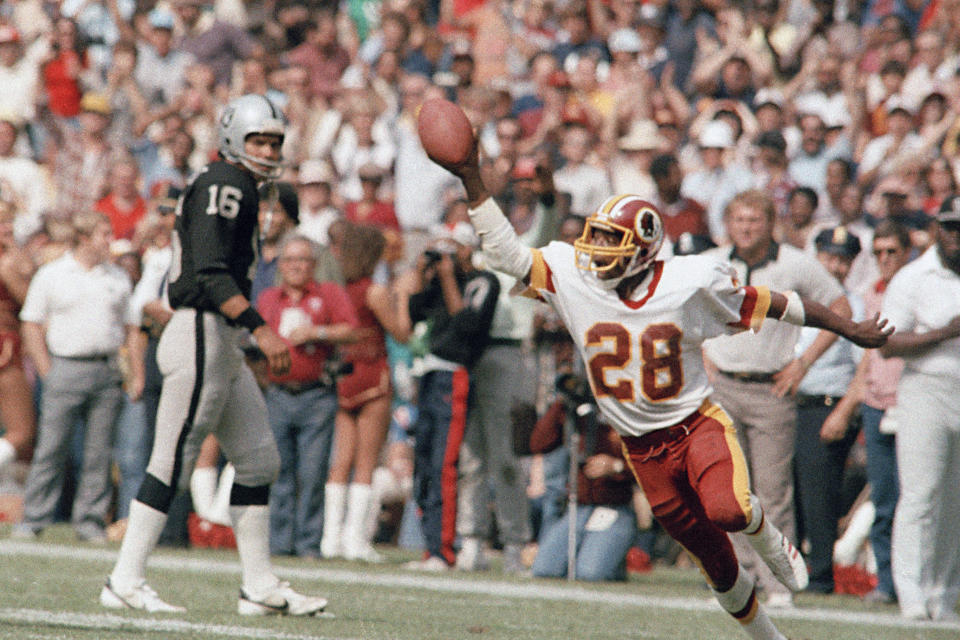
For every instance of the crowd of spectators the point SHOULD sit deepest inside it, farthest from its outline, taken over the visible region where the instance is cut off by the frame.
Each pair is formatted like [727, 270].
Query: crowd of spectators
[841, 114]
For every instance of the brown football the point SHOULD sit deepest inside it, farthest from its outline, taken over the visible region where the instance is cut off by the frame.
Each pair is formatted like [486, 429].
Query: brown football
[445, 132]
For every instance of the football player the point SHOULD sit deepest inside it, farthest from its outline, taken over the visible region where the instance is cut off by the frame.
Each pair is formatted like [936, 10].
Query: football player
[638, 324]
[207, 387]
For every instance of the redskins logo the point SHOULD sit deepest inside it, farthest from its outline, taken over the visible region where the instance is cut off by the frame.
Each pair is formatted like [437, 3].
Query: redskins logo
[645, 225]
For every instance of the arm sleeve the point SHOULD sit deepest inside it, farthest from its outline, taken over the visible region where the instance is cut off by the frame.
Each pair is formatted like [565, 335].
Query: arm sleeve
[34, 307]
[733, 308]
[899, 302]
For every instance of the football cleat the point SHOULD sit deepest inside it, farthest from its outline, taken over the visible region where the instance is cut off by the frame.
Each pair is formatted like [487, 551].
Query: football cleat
[279, 600]
[781, 556]
[140, 597]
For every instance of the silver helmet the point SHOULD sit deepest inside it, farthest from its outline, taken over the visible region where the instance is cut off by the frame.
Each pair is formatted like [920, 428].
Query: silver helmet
[242, 117]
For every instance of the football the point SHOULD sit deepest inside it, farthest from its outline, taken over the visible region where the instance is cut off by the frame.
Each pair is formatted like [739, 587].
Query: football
[445, 132]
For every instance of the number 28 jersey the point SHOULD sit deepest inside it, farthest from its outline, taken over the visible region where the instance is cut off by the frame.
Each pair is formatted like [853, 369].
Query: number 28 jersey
[643, 355]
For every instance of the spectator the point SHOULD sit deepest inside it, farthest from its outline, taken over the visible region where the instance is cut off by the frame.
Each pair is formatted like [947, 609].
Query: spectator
[459, 300]
[720, 179]
[808, 167]
[587, 185]
[81, 160]
[503, 381]
[62, 72]
[213, 42]
[680, 214]
[161, 69]
[801, 209]
[630, 169]
[75, 319]
[23, 181]
[828, 422]
[279, 214]
[891, 246]
[365, 396]
[923, 303]
[322, 55]
[16, 395]
[887, 153]
[757, 374]
[123, 205]
[364, 139]
[302, 403]
[369, 209]
[20, 74]
[314, 189]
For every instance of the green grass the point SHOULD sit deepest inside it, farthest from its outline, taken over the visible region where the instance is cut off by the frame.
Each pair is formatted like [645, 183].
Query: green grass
[49, 590]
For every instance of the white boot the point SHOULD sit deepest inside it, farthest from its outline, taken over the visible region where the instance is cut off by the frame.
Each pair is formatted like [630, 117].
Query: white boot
[356, 543]
[334, 504]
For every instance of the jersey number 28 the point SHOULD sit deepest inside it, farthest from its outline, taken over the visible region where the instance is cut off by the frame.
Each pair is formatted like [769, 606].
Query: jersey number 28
[660, 367]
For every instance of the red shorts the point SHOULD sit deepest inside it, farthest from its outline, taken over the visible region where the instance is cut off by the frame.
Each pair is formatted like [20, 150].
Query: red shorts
[369, 380]
[695, 477]
[11, 350]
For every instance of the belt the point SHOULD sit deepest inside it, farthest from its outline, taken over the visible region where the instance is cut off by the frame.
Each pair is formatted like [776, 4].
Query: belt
[102, 357]
[668, 434]
[804, 400]
[504, 342]
[748, 376]
[296, 388]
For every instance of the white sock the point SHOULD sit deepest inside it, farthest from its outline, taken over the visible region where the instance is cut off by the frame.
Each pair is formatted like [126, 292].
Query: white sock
[144, 525]
[334, 504]
[251, 528]
[7, 453]
[358, 505]
[756, 518]
[847, 548]
[741, 599]
[203, 488]
[220, 509]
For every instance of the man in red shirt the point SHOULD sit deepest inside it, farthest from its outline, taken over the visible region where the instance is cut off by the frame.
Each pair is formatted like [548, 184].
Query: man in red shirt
[311, 317]
[123, 203]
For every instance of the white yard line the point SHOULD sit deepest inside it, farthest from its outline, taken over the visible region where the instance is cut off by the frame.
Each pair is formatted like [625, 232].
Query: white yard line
[532, 591]
[108, 622]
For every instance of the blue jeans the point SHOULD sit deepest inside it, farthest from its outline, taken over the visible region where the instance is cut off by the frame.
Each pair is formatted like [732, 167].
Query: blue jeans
[601, 555]
[438, 434]
[303, 427]
[884, 491]
[131, 452]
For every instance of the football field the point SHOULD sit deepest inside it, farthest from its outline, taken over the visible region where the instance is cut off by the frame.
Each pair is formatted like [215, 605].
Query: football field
[49, 589]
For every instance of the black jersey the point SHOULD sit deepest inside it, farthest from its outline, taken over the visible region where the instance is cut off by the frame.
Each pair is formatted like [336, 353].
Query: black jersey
[213, 238]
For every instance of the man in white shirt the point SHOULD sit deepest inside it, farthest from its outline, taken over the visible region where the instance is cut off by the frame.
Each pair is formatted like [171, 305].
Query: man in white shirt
[76, 317]
[587, 185]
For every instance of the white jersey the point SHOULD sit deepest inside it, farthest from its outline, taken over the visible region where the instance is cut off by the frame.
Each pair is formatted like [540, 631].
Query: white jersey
[643, 355]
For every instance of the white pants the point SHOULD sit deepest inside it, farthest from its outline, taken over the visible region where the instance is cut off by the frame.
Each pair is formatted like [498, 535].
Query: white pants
[925, 551]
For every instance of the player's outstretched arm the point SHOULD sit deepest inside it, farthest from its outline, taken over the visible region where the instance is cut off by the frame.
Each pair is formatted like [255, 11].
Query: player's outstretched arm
[499, 241]
[791, 307]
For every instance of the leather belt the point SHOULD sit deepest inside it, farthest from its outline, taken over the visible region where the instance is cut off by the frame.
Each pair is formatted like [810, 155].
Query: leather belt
[296, 388]
[804, 400]
[748, 376]
[101, 357]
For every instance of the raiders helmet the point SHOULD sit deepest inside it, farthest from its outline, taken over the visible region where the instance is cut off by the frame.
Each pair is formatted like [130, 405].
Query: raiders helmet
[641, 234]
[245, 116]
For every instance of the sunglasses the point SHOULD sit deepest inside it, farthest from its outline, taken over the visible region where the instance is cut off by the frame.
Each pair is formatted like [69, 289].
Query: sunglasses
[885, 252]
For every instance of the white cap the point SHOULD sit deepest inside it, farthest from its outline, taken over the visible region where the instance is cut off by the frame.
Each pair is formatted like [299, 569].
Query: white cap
[461, 233]
[716, 134]
[624, 40]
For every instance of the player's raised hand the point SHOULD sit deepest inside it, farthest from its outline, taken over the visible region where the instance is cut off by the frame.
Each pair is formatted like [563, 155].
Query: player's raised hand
[274, 348]
[870, 333]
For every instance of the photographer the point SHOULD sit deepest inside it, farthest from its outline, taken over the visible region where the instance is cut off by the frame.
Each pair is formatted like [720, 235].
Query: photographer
[457, 301]
[605, 522]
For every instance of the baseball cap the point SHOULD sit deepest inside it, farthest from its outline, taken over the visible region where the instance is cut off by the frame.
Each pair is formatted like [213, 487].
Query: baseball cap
[286, 197]
[716, 134]
[160, 19]
[838, 241]
[625, 40]
[460, 232]
[950, 210]
[315, 172]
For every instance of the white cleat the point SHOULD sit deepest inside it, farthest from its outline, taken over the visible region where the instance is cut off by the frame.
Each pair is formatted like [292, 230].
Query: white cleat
[781, 556]
[140, 597]
[279, 600]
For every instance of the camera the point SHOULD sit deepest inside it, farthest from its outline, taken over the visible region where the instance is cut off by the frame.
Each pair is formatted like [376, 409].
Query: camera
[433, 256]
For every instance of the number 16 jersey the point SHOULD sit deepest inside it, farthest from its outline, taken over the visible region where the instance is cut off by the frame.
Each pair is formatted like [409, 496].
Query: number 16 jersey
[643, 355]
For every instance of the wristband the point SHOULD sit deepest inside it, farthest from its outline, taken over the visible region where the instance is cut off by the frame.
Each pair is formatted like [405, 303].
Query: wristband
[793, 312]
[250, 319]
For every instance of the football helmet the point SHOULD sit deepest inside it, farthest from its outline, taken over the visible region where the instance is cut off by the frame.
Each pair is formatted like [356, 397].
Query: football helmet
[641, 235]
[243, 117]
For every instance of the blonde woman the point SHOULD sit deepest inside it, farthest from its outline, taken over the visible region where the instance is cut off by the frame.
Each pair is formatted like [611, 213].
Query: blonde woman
[365, 397]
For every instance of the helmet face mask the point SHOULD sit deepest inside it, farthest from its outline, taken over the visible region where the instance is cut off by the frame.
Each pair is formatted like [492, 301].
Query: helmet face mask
[640, 230]
[245, 116]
